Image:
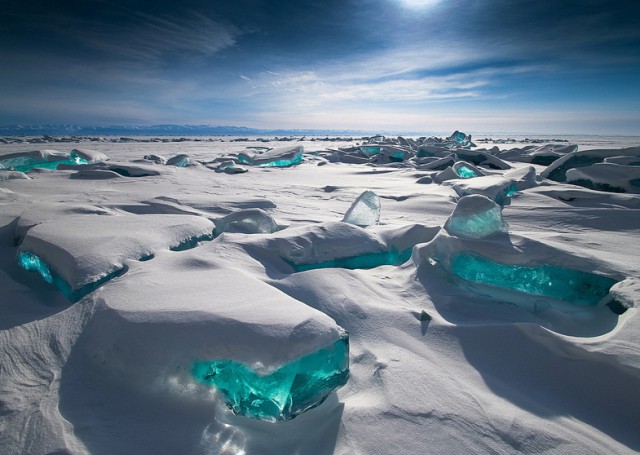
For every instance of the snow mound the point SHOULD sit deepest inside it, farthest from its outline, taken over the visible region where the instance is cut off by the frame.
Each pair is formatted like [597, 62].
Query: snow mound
[90, 156]
[569, 294]
[543, 155]
[558, 170]
[42, 159]
[145, 339]
[12, 175]
[495, 187]
[337, 245]
[85, 249]
[606, 176]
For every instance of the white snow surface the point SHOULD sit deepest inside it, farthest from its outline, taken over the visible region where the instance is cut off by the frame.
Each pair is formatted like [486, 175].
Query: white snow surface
[436, 365]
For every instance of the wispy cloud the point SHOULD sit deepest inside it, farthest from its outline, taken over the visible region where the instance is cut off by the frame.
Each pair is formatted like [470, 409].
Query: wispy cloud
[327, 88]
[151, 38]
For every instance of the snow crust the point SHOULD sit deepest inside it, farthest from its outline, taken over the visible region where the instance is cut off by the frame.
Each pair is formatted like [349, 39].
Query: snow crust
[438, 363]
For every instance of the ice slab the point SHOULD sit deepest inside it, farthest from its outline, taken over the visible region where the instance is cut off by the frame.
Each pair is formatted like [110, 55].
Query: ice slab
[90, 156]
[270, 358]
[524, 178]
[558, 170]
[460, 139]
[476, 216]
[84, 249]
[276, 157]
[181, 160]
[514, 268]
[41, 213]
[495, 187]
[437, 164]
[481, 158]
[229, 167]
[13, 175]
[569, 285]
[248, 221]
[365, 211]
[131, 170]
[284, 393]
[465, 170]
[543, 155]
[608, 177]
[157, 159]
[32, 262]
[44, 159]
[340, 245]
[363, 261]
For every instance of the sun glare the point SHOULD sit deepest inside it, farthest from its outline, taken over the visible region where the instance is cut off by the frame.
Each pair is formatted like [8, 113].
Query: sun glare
[418, 4]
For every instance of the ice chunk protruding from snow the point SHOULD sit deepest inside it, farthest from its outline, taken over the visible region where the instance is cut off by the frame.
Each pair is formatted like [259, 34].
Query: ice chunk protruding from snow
[476, 216]
[46, 159]
[363, 261]
[524, 178]
[465, 170]
[365, 211]
[276, 157]
[460, 139]
[181, 160]
[141, 334]
[33, 263]
[284, 393]
[609, 177]
[495, 187]
[86, 250]
[249, 221]
[90, 156]
[569, 285]
[558, 170]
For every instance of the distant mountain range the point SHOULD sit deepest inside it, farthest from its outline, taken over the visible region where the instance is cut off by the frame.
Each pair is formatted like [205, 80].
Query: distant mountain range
[161, 130]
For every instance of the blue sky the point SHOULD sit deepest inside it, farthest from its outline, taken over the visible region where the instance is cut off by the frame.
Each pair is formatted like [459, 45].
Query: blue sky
[525, 66]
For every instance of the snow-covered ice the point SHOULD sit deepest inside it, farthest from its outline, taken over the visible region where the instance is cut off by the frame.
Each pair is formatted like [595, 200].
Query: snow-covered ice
[378, 295]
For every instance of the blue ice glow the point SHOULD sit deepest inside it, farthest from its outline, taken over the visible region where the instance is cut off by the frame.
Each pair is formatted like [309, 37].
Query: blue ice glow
[465, 173]
[368, 150]
[192, 242]
[364, 261]
[284, 393]
[32, 262]
[25, 164]
[282, 163]
[569, 285]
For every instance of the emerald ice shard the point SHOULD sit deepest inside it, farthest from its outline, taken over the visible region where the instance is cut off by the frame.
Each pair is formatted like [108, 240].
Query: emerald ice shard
[281, 394]
[365, 211]
[276, 157]
[573, 286]
[45, 159]
[31, 262]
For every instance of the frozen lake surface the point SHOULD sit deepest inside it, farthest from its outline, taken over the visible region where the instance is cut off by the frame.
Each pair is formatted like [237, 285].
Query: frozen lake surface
[340, 296]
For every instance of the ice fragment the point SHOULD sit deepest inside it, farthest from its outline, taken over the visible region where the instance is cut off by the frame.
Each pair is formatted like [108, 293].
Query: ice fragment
[476, 216]
[569, 285]
[365, 211]
[281, 394]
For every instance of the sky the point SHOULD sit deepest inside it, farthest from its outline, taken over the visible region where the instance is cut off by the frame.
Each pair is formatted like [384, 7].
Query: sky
[528, 66]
